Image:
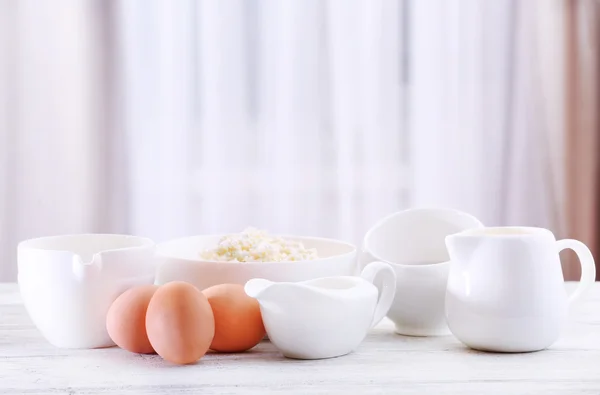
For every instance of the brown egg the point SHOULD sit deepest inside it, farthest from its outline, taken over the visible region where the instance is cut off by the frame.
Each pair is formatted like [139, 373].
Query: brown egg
[180, 323]
[126, 319]
[238, 322]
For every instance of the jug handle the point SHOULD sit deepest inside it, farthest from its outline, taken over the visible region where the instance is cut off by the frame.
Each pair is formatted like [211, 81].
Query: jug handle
[387, 287]
[586, 260]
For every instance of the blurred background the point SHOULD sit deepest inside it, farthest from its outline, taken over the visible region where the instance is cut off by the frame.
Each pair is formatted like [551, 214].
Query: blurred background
[311, 117]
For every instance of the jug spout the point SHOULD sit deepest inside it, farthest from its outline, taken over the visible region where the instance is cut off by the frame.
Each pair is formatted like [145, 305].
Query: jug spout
[83, 269]
[461, 247]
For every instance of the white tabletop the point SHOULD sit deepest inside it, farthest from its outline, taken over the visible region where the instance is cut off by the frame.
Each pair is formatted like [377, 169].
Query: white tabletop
[384, 363]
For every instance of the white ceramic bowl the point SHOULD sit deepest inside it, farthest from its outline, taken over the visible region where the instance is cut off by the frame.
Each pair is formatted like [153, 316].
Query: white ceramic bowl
[179, 260]
[69, 282]
[413, 243]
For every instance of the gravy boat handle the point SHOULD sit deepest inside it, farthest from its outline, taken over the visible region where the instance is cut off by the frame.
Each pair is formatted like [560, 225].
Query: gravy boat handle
[386, 286]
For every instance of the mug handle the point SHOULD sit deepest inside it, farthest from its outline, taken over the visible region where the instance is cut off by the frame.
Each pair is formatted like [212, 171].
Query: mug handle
[387, 290]
[586, 260]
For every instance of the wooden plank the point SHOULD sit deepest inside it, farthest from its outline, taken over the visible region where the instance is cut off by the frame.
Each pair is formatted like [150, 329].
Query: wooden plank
[384, 363]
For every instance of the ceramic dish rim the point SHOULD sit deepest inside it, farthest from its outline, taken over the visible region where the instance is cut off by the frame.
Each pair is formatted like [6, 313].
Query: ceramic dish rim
[382, 221]
[527, 231]
[353, 251]
[146, 242]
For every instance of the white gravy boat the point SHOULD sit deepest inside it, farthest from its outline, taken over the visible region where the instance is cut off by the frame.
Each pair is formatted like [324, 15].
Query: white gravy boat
[326, 317]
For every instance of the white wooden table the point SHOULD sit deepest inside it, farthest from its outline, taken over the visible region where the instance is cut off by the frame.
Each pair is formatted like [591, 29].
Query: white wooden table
[384, 363]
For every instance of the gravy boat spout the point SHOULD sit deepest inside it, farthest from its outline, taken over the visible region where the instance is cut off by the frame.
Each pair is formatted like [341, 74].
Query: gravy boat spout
[271, 294]
[258, 288]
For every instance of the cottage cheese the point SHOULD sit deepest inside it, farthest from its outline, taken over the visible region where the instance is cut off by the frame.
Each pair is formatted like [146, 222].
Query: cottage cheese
[253, 245]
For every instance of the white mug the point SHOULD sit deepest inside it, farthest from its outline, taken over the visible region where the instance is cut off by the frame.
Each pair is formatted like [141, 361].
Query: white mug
[506, 289]
[69, 282]
[412, 242]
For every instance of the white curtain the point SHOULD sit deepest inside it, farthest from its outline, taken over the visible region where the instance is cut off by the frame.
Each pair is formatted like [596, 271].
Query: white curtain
[50, 124]
[487, 109]
[301, 117]
[286, 115]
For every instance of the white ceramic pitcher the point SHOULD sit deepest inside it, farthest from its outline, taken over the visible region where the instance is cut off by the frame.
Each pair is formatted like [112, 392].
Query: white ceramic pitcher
[325, 317]
[68, 283]
[506, 290]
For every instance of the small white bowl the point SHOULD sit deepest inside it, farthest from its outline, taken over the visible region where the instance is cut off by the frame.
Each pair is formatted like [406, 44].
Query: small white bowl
[179, 260]
[69, 282]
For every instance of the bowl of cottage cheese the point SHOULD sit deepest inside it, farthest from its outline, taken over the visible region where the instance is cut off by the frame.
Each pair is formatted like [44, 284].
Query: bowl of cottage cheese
[209, 260]
[254, 245]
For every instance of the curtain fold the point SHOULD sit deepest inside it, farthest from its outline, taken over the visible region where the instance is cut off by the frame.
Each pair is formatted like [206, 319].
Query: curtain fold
[49, 132]
[582, 136]
[290, 116]
[8, 72]
[478, 112]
